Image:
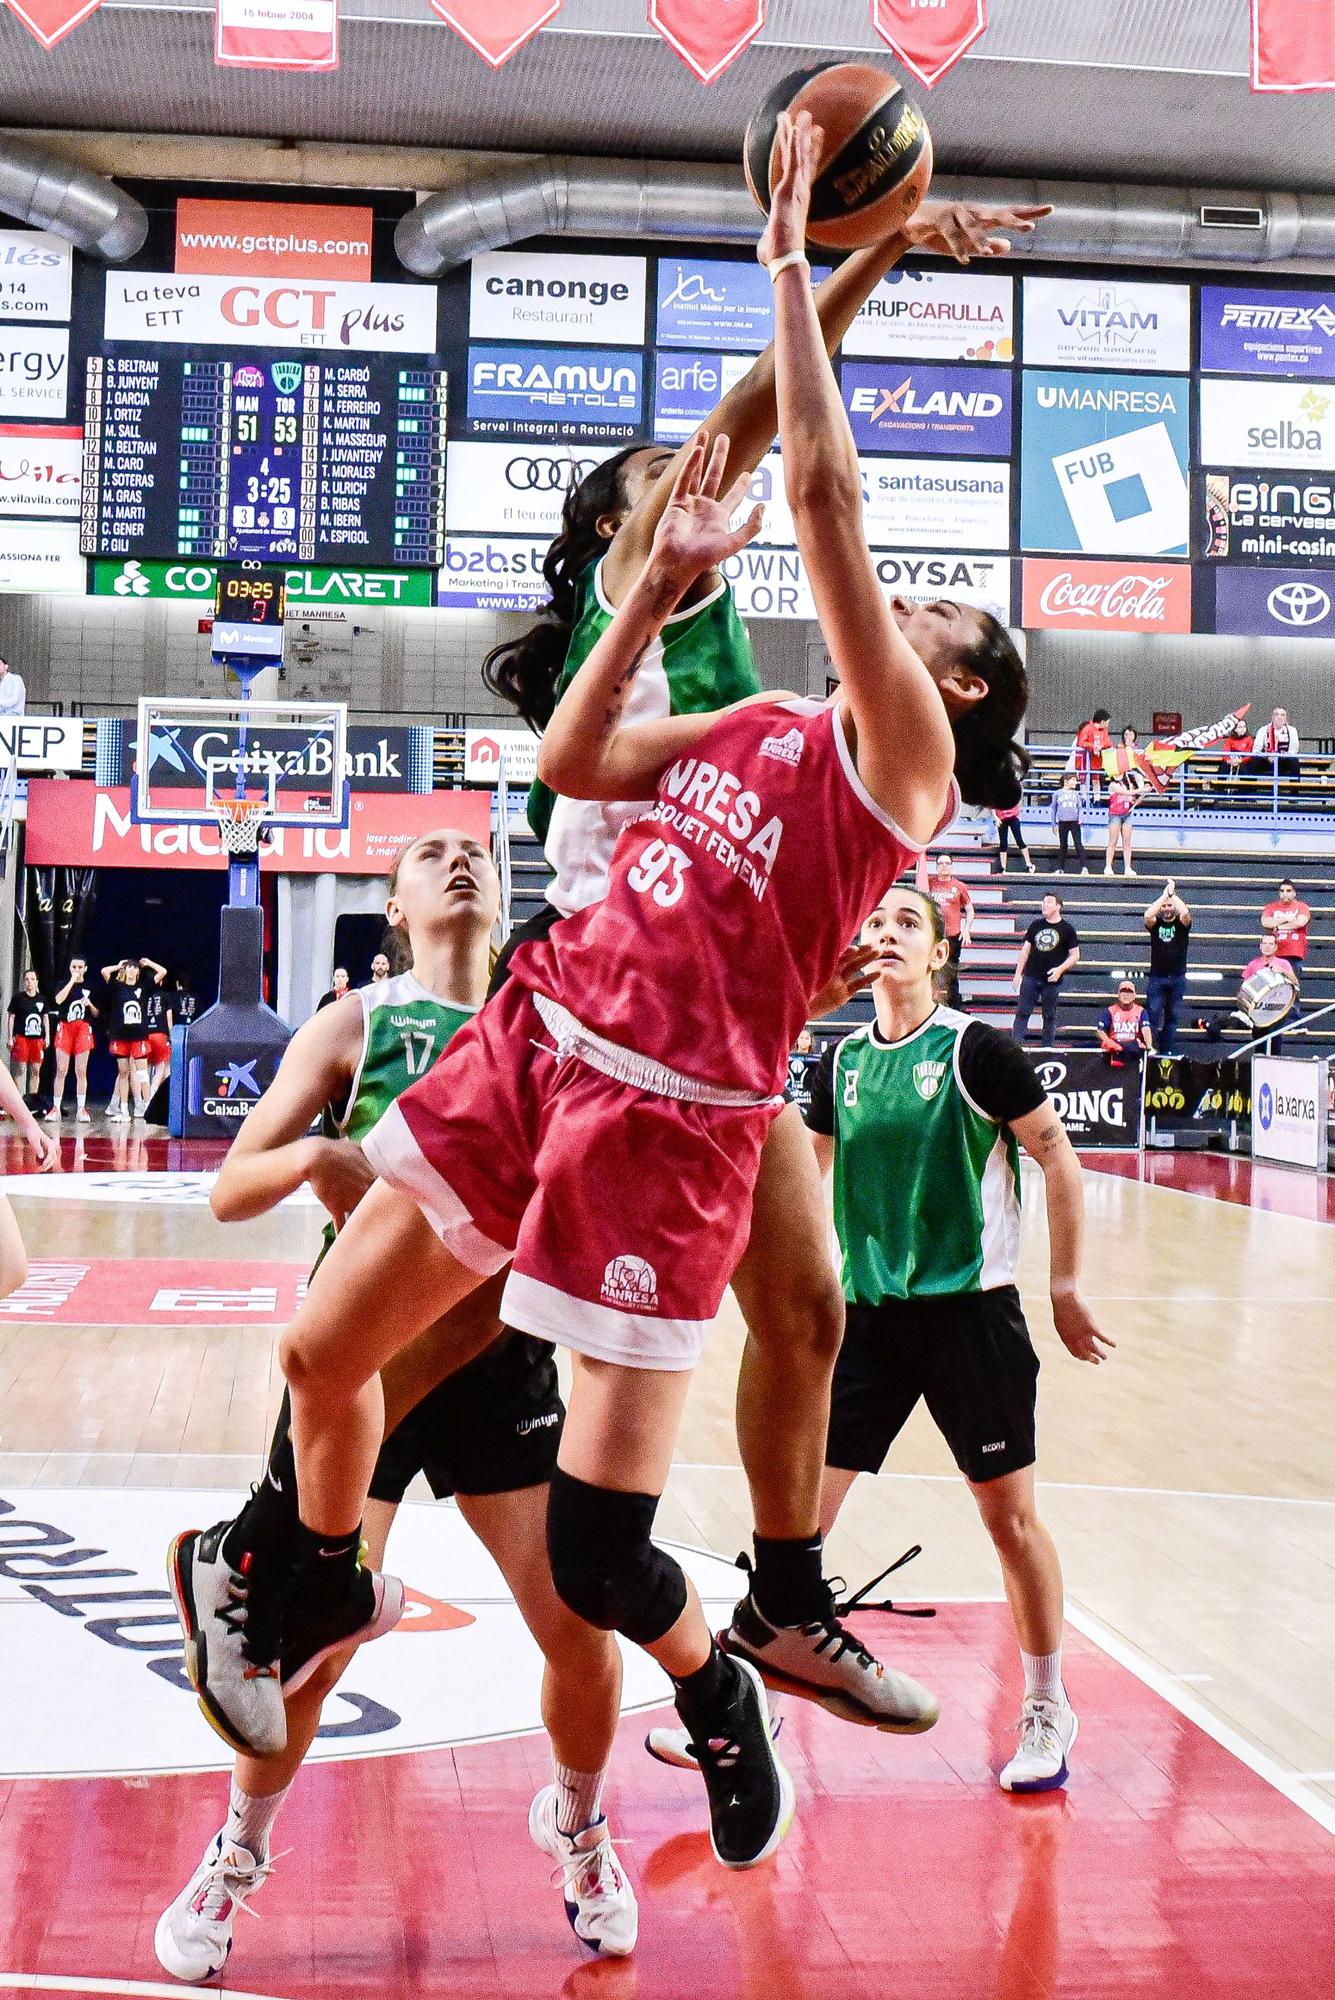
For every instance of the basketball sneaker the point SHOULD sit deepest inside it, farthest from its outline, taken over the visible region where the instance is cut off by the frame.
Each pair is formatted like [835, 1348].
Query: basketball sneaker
[51, 1117]
[194, 1934]
[826, 1663]
[751, 1796]
[233, 1640]
[673, 1746]
[1048, 1730]
[374, 1608]
[600, 1902]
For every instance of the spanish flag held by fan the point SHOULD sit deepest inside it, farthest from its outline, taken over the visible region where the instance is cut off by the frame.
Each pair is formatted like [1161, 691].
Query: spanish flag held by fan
[1155, 760]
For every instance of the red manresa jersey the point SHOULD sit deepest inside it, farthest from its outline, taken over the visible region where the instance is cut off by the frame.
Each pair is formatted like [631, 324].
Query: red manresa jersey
[730, 900]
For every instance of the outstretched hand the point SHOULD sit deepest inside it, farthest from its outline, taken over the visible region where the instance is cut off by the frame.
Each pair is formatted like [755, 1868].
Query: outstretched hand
[966, 229]
[855, 972]
[799, 144]
[696, 533]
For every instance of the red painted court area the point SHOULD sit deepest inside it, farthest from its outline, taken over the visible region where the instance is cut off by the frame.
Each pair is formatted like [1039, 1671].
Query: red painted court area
[1168, 1869]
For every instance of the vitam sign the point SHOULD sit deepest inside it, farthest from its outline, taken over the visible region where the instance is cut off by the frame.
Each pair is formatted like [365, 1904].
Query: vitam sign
[1094, 597]
[1091, 323]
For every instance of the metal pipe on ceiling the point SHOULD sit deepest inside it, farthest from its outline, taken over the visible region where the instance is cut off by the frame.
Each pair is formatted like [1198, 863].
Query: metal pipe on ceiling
[560, 195]
[92, 213]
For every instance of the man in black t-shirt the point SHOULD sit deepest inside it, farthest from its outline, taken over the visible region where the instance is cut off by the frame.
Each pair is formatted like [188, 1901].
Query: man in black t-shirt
[1051, 947]
[29, 1025]
[1168, 922]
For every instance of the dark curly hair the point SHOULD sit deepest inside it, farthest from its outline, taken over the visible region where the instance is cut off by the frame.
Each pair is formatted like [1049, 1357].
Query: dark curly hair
[989, 763]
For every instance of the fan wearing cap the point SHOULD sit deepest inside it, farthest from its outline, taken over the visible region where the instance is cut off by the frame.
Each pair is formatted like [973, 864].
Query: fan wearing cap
[1124, 1028]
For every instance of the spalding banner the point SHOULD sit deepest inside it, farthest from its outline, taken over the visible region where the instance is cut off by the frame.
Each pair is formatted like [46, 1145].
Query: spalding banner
[1098, 1105]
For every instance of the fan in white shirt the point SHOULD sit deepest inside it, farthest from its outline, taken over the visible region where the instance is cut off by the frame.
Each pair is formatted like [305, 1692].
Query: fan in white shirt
[13, 693]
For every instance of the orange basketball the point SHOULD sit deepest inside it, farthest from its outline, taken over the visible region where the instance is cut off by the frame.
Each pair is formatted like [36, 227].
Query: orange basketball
[876, 156]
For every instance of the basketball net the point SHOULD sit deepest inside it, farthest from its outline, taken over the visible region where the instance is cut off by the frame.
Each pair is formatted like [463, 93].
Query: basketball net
[241, 824]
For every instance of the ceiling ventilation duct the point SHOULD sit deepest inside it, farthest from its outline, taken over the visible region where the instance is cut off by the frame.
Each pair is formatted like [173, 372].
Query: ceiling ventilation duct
[92, 213]
[509, 201]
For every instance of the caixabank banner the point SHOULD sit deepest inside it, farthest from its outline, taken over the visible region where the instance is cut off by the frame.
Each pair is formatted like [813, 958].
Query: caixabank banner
[1104, 464]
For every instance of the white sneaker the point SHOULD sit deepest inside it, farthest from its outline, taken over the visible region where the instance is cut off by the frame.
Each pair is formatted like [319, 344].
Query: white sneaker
[600, 1902]
[82, 1115]
[673, 1746]
[51, 1117]
[1048, 1730]
[115, 1116]
[194, 1934]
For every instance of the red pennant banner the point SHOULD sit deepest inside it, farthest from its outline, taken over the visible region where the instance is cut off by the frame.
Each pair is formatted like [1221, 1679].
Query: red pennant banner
[1293, 45]
[51, 20]
[929, 36]
[708, 35]
[276, 34]
[497, 29]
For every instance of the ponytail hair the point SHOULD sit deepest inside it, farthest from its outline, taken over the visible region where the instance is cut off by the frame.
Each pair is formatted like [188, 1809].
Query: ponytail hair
[524, 672]
[989, 764]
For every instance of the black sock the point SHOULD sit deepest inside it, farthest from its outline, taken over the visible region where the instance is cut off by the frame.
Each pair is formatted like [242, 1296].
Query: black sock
[266, 1525]
[701, 1695]
[326, 1565]
[788, 1581]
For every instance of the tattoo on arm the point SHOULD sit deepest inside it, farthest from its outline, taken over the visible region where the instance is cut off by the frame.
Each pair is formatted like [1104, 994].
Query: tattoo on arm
[1048, 1139]
[621, 687]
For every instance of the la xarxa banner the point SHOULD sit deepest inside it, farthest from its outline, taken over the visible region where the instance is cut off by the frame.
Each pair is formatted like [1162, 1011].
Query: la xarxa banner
[929, 40]
[276, 34]
[1293, 45]
[497, 29]
[708, 35]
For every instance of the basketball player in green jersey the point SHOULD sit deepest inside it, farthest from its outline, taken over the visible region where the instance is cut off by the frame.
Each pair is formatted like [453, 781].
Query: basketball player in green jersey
[487, 1434]
[700, 662]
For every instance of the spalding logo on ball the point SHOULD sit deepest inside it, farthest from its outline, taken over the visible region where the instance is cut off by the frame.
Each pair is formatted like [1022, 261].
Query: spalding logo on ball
[876, 155]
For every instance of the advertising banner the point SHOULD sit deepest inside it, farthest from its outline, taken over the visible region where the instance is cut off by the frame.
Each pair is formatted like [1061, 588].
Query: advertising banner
[42, 742]
[936, 316]
[688, 386]
[36, 272]
[1260, 515]
[929, 40]
[1106, 597]
[196, 582]
[1248, 331]
[41, 471]
[773, 583]
[484, 749]
[1293, 45]
[514, 489]
[1099, 1106]
[1095, 323]
[1289, 1116]
[552, 295]
[921, 409]
[716, 302]
[276, 34]
[496, 29]
[1267, 423]
[1104, 464]
[51, 20]
[936, 503]
[34, 371]
[212, 311]
[272, 239]
[492, 573]
[396, 758]
[708, 37]
[42, 558]
[89, 825]
[1275, 603]
[541, 392]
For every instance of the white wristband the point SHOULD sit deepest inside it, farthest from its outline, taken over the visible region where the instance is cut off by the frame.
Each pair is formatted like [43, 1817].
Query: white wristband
[787, 263]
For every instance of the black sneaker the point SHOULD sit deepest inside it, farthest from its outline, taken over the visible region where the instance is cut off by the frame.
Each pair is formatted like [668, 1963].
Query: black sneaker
[751, 1796]
[373, 1607]
[231, 1622]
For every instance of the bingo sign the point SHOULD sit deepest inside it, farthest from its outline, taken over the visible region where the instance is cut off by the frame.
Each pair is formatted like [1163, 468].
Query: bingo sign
[1104, 469]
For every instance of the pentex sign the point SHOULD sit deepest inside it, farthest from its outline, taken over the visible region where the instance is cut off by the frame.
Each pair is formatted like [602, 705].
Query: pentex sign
[195, 582]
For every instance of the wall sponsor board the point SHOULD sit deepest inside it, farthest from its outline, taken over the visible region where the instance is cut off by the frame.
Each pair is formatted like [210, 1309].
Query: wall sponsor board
[42, 558]
[236, 311]
[541, 392]
[773, 583]
[485, 748]
[1289, 1111]
[1262, 515]
[42, 742]
[396, 758]
[1267, 423]
[938, 503]
[937, 316]
[1106, 597]
[36, 272]
[273, 239]
[916, 409]
[687, 387]
[541, 295]
[1098, 323]
[1250, 331]
[34, 371]
[515, 489]
[715, 302]
[276, 34]
[1099, 1107]
[41, 471]
[492, 573]
[195, 582]
[1104, 464]
[1275, 603]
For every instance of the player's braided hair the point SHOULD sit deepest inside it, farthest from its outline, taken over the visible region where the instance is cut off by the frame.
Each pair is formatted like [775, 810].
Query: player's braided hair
[525, 671]
[989, 763]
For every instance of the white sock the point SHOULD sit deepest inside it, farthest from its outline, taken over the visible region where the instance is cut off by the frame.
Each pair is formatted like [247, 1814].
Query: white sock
[579, 1798]
[1043, 1676]
[250, 1821]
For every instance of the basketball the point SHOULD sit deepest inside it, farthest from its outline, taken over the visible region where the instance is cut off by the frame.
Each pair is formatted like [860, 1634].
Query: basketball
[876, 156]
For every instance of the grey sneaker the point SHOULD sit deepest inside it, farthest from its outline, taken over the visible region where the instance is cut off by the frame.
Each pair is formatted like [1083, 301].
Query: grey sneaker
[826, 1663]
[194, 1934]
[232, 1643]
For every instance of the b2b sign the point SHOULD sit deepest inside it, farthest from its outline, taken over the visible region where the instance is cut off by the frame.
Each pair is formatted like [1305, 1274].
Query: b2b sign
[34, 371]
[536, 295]
[1104, 464]
[270, 312]
[491, 573]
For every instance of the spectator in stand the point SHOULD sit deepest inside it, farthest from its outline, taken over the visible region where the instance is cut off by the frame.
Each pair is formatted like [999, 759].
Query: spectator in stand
[1268, 955]
[1121, 804]
[1287, 919]
[74, 1038]
[1008, 829]
[338, 986]
[13, 693]
[379, 968]
[1050, 949]
[1168, 921]
[801, 1069]
[1274, 747]
[1066, 810]
[1232, 750]
[952, 898]
[1124, 1029]
[1091, 740]
[29, 1032]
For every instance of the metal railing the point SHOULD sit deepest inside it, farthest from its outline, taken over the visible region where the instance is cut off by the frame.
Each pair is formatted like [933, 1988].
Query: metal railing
[1253, 787]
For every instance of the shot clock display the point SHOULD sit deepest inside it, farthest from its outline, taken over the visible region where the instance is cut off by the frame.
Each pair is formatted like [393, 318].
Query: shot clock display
[249, 606]
[264, 457]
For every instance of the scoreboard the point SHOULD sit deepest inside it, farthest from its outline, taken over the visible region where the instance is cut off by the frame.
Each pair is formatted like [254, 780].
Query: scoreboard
[265, 458]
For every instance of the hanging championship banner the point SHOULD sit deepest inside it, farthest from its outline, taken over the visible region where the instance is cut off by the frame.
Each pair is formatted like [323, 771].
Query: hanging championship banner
[708, 35]
[51, 20]
[276, 34]
[929, 40]
[497, 29]
[1293, 45]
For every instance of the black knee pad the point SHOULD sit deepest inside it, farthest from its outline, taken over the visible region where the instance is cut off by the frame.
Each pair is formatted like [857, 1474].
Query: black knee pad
[604, 1563]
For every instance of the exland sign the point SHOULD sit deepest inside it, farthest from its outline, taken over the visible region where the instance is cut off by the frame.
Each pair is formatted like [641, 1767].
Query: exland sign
[195, 582]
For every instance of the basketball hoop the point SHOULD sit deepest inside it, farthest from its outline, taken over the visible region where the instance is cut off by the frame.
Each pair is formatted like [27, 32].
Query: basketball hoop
[241, 824]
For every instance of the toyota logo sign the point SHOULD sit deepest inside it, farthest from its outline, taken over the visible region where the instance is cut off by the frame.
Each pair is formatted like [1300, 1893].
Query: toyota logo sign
[1298, 604]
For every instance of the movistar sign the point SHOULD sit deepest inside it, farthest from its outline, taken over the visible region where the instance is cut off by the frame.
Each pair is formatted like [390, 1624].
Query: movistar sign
[195, 582]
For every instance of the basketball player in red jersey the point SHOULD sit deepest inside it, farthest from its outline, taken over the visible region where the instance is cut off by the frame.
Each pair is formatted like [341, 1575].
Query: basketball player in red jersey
[643, 1046]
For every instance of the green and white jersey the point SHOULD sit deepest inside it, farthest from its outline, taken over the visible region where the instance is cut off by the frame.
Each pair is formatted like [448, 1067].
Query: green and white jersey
[926, 1170]
[404, 1029]
[701, 660]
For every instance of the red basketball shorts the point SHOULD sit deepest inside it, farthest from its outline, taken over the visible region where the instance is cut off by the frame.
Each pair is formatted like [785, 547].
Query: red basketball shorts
[131, 1051]
[28, 1049]
[74, 1038]
[625, 1211]
[159, 1046]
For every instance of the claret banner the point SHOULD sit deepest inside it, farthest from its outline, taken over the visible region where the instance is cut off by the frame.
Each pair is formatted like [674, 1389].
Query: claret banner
[708, 35]
[929, 40]
[497, 29]
[1293, 45]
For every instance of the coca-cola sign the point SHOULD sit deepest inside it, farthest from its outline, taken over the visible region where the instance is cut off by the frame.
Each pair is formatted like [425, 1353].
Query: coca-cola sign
[1107, 596]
